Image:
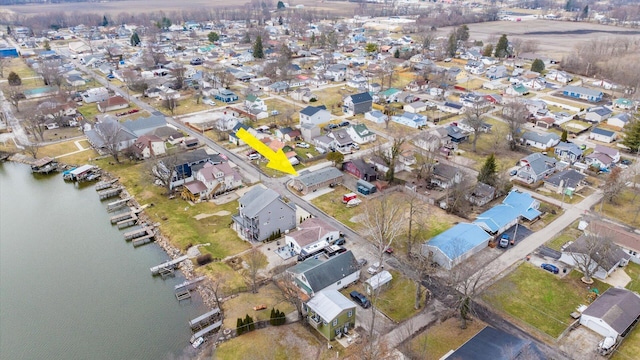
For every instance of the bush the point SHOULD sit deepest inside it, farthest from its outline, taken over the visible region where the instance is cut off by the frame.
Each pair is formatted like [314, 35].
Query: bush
[248, 323]
[239, 326]
[204, 259]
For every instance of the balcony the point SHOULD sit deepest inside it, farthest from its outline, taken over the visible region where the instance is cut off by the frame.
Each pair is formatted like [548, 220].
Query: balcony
[314, 321]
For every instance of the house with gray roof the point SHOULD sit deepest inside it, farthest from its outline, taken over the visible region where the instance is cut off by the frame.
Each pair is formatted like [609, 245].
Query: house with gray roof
[331, 313]
[310, 181]
[314, 275]
[541, 141]
[605, 256]
[311, 235]
[445, 176]
[376, 116]
[262, 213]
[602, 135]
[598, 114]
[361, 134]
[145, 125]
[314, 115]
[568, 152]
[568, 179]
[536, 167]
[583, 93]
[613, 313]
[342, 142]
[108, 134]
[357, 104]
[621, 120]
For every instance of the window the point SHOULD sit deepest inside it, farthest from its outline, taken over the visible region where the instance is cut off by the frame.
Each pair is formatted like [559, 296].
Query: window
[350, 313]
[335, 322]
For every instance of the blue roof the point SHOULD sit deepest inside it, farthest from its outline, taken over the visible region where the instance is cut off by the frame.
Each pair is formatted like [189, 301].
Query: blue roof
[360, 98]
[461, 238]
[311, 110]
[602, 132]
[497, 217]
[523, 203]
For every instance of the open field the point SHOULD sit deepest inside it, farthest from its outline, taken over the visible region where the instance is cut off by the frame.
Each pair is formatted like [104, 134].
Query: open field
[556, 38]
[437, 340]
[243, 304]
[624, 209]
[539, 298]
[142, 6]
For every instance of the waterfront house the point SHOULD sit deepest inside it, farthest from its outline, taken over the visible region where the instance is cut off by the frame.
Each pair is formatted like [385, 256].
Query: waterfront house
[314, 275]
[263, 213]
[147, 146]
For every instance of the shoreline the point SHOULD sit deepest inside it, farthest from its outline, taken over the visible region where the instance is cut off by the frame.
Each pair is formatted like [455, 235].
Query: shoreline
[187, 268]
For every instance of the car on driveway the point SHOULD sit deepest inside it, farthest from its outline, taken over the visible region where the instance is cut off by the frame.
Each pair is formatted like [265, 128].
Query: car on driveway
[504, 241]
[513, 172]
[360, 299]
[344, 123]
[374, 268]
[550, 268]
[625, 162]
[362, 262]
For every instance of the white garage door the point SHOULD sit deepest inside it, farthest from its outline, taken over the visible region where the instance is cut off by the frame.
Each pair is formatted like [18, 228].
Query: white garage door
[602, 330]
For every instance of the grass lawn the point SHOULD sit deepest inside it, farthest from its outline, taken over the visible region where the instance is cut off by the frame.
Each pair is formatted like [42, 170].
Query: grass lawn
[633, 270]
[560, 100]
[398, 299]
[568, 234]
[243, 304]
[331, 203]
[293, 341]
[89, 111]
[18, 66]
[332, 98]
[576, 198]
[79, 158]
[58, 149]
[62, 133]
[232, 281]
[437, 340]
[630, 348]
[623, 209]
[539, 298]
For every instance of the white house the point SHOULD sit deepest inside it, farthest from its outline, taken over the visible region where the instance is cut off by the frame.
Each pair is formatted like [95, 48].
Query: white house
[218, 178]
[415, 107]
[613, 313]
[361, 134]
[621, 120]
[311, 235]
[559, 76]
[540, 141]
[148, 145]
[599, 254]
[376, 116]
[315, 115]
[95, 95]
[602, 135]
[412, 120]
[254, 102]
[598, 114]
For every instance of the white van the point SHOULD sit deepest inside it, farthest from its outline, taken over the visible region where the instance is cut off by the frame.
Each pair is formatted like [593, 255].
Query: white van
[321, 150]
[254, 156]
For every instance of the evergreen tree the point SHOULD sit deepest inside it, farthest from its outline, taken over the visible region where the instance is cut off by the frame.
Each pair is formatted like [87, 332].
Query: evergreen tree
[248, 323]
[46, 45]
[502, 48]
[258, 53]
[286, 32]
[105, 22]
[537, 66]
[569, 5]
[452, 44]
[488, 171]
[272, 317]
[632, 135]
[14, 79]
[313, 38]
[488, 50]
[135, 39]
[213, 37]
[585, 12]
[371, 48]
[8, 30]
[239, 326]
[462, 33]
[563, 137]
[280, 5]
[396, 54]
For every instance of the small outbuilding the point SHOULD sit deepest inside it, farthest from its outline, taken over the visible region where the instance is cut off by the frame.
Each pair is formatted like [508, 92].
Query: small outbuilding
[377, 281]
[612, 314]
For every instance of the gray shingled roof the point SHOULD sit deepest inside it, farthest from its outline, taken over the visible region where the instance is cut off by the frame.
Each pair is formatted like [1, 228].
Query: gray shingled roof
[319, 176]
[582, 90]
[360, 98]
[540, 163]
[540, 138]
[617, 307]
[256, 199]
[311, 110]
[570, 177]
[336, 268]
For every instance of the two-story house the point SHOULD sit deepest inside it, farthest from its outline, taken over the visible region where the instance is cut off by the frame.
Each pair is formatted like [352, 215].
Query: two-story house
[357, 104]
[602, 157]
[262, 213]
[315, 115]
[445, 176]
[361, 134]
[147, 146]
[311, 235]
[314, 275]
[219, 178]
[331, 314]
[536, 167]
[253, 102]
[342, 141]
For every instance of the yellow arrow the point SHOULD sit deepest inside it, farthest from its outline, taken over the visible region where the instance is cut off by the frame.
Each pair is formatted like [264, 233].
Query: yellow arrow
[277, 160]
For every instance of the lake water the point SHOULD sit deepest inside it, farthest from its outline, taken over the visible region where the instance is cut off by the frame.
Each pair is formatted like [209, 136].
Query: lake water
[71, 287]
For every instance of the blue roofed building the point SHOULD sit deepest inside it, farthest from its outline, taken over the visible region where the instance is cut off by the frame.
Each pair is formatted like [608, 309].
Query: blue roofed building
[456, 244]
[524, 204]
[501, 217]
[583, 93]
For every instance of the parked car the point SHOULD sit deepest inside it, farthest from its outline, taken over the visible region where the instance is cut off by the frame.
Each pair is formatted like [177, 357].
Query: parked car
[362, 262]
[196, 61]
[208, 101]
[303, 145]
[254, 156]
[344, 123]
[447, 60]
[551, 268]
[355, 147]
[513, 172]
[321, 150]
[504, 241]
[625, 162]
[341, 241]
[331, 127]
[360, 299]
[583, 147]
[374, 268]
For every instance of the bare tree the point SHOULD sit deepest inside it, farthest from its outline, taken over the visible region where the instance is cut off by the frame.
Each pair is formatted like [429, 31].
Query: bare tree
[515, 114]
[390, 156]
[255, 261]
[170, 103]
[32, 149]
[466, 280]
[179, 72]
[475, 119]
[14, 94]
[34, 121]
[112, 136]
[614, 185]
[163, 171]
[415, 222]
[589, 251]
[289, 291]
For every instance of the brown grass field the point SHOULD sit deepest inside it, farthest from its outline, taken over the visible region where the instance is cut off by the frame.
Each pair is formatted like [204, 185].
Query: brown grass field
[556, 38]
[142, 6]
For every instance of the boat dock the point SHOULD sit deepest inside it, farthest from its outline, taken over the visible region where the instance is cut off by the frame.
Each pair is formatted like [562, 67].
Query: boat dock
[145, 239]
[189, 284]
[105, 194]
[204, 319]
[204, 332]
[44, 165]
[125, 216]
[105, 184]
[169, 265]
[138, 233]
[112, 206]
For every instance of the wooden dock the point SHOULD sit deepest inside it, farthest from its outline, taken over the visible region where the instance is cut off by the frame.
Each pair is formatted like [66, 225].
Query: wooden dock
[138, 233]
[171, 264]
[144, 239]
[128, 222]
[131, 214]
[204, 332]
[112, 206]
[183, 295]
[105, 194]
[204, 319]
[105, 184]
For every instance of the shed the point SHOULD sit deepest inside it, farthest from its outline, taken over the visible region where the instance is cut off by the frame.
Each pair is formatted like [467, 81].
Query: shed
[613, 313]
[365, 187]
[377, 281]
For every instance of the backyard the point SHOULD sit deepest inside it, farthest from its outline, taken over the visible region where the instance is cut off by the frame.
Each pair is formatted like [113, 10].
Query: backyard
[625, 209]
[243, 304]
[437, 340]
[539, 298]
